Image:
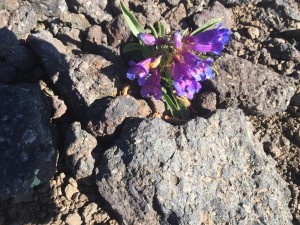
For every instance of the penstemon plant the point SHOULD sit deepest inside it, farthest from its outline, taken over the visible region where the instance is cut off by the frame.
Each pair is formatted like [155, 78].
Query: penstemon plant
[173, 67]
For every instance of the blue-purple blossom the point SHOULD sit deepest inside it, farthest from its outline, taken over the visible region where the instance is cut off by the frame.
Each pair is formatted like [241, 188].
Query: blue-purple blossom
[188, 69]
[184, 83]
[208, 41]
[149, 39]
[152, 86]
[141, 70]
[177, 39]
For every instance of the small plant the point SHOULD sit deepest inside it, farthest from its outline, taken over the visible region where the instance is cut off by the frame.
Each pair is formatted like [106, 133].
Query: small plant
[172, 68]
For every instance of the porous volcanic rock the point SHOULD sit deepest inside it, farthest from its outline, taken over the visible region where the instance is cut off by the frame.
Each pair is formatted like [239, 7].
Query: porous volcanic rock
[94, 9]
[81, 79]
[12, 53]
[255, 88]
[51, 8]
[209, 171]
[78, 153]
[217, 10]
[106, 116]
[27, 141]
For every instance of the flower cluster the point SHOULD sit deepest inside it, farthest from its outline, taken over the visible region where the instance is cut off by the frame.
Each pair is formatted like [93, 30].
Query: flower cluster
[179, 56]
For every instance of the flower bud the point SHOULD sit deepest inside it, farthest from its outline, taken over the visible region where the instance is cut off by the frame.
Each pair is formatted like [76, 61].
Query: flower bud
[177, 39]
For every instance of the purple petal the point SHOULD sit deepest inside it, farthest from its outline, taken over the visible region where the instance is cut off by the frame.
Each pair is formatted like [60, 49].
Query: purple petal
[177, 39]
[136, 71]
[149, 39]
[152, 86]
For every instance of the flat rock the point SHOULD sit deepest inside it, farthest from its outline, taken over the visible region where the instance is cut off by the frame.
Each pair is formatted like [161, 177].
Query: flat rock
[109, 114]
[13, 53]
[209, 171]
[27, 140]
[254, 88]
[217, 10]
[78, 151]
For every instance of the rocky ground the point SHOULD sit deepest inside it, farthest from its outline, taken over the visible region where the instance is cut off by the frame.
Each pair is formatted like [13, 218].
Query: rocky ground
[80, 146]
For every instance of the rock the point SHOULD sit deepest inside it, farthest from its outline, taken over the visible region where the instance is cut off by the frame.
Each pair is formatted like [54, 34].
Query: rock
[13, 53]
[77, 21]
[4, 18]
[285, 51]
[22, 21]
[109, 114]
[175, 17]
[70, 190]
[205, 102]
[73, 219]
[94, 38]
[27, 139]
[215, 11]
[69, 37]
[152, 11]
[173, 2]
[7, 74]
[296, 100]
[89, 211]
[80, 79]
[118, 31]
[283, 8]
[50, 8]
[239, 2]
[253, 32]
[254, 88]
[51, 51]
[95, 9]
[157, 106]
[9, 5]
[78, 151]
[209, 171]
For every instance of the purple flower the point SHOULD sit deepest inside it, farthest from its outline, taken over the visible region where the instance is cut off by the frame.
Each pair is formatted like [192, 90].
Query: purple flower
[198, 68]
[209, 41]
[184, 83]
[177, 39]
[152, 86]
[149, 39]
[141, 70]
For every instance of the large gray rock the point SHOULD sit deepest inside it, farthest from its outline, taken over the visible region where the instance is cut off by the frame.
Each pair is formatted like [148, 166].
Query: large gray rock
[80, 79]
[27, 142]
[209, 171]
[78, 151]
[13, 53]
[254, 88]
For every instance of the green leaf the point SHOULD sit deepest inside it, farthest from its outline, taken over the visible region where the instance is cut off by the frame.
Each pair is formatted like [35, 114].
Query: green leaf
[169, 81]
[185, 31]
[183, 111]
[138, 47]
[170, 103]
[154, 32]
[132, 22]
[206, 26]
